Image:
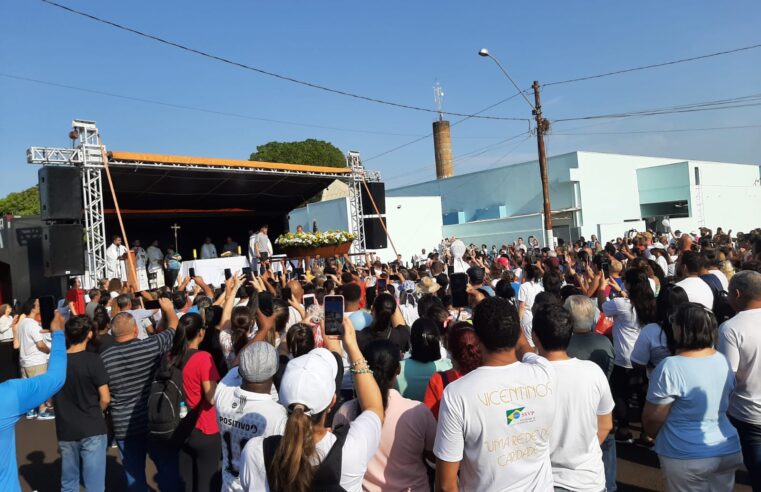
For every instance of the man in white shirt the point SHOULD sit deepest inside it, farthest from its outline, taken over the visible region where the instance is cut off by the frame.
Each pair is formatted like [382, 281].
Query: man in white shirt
[155, 266]
[257, 244]
[697, 289]
[584, 405]
[34, 347]
[246, 408]
[141, 263]
[116, 253]
[740, 342]
[495, 422]
[208, 250]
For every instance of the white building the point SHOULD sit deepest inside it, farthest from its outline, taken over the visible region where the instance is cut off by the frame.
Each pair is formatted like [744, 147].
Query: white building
[595, 193]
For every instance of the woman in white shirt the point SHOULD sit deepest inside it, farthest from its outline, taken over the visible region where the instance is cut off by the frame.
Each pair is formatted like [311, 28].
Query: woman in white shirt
[303, 458]
[630, 313]
[8, 367]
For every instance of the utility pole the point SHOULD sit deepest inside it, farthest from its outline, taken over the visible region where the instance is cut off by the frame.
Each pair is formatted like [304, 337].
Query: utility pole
[542, 125]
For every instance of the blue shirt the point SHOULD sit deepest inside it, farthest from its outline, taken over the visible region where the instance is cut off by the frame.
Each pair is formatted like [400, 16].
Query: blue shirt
[698, 390]
[361, 319]
[18, 397]
[413, 378]
[516, 287]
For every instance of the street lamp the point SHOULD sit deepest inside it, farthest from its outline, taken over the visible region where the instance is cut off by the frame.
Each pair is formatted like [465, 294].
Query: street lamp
[541, 127]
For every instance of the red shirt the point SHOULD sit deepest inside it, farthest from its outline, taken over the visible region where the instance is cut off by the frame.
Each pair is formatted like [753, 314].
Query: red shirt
[362, 295]
[77, 296]
[199, 368]
[435, 390]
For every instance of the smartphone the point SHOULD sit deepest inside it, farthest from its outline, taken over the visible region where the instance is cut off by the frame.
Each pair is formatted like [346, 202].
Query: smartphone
[606, 270]
[309, 300]
[47, 311]
[381, 285]
[151, 304]
[458, 283]
[191, 272]
[334, 315]
[228, 273]
[394, 278]
[450, 270]
[285, 294]
[247, 272]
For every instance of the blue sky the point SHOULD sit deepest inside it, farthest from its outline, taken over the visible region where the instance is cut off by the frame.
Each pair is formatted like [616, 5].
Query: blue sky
[391, 50]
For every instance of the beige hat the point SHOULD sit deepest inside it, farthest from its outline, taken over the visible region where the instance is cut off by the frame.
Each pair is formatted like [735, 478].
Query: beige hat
[428, 285]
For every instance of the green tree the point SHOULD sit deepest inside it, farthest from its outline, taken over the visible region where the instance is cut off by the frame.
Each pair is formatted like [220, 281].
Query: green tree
[311, 152]
[25, 202]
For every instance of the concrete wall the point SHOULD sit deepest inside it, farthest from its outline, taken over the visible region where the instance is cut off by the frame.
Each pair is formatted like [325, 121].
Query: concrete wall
[414, 223]
[664, 183]
[731, 195]
[517, 188]
[498, 231]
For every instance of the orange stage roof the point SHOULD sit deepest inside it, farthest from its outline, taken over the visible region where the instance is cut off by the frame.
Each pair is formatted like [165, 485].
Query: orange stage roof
[213, 162]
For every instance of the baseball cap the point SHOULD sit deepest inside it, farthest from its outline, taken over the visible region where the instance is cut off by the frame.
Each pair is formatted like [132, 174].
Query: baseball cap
[309, 381]
[476, 275]
[258, 362]
[502, 261]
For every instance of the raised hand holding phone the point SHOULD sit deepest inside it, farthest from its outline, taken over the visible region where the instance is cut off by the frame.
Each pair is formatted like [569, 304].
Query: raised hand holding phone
[334, 315]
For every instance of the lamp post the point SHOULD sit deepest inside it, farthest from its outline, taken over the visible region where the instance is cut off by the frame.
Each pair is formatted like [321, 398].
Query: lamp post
[542, 125]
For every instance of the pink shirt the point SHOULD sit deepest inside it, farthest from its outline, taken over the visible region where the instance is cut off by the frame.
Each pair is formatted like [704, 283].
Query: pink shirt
[409, 429]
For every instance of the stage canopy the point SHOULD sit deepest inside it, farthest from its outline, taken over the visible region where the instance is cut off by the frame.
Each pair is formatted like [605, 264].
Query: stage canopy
[161, 184]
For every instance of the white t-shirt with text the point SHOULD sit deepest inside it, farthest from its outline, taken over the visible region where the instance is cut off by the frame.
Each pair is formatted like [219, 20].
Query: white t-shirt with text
[582, 393]
[243, 415]
[497, 421]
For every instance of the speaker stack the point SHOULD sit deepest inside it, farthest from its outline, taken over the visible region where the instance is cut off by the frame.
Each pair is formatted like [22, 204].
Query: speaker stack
[61, 210]
[375, 236]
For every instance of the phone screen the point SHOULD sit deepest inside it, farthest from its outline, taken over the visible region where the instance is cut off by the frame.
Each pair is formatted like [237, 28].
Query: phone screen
[151, 304]
[228, 273]
[191, 272]
[606, 269]
[334, 315]
[450, 269]
[247, 272]
[286, 294]
[308, 301]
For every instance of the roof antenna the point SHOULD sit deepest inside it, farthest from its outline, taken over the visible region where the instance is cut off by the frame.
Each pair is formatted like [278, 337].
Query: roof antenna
[438, 96]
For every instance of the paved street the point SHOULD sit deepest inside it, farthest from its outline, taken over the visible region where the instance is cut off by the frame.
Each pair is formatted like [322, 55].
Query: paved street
[39, 464]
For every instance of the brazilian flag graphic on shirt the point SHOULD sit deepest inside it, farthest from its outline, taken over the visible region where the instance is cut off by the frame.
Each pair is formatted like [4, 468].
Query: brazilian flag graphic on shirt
[513, 415]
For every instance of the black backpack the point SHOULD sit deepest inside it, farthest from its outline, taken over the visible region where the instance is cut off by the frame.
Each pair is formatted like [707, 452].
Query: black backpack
[164, 400]
[721, 308]
[327, 477]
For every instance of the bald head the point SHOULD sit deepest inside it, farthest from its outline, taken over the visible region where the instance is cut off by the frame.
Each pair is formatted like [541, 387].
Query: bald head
[297, 290]
[745, 290]
[123, 327]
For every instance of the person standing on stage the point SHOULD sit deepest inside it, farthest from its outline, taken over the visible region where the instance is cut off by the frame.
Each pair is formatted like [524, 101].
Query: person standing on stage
[155, 265]
[259, 248]
[141, 262]
[208, 250]
[230, 246]
[172, 266]
[115, 256]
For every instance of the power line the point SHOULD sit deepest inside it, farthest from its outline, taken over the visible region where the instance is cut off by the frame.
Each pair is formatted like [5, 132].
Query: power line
[487, 108]
[654, 65]
[672, 130]
[267, 72]
[198, 109]
[732, 103]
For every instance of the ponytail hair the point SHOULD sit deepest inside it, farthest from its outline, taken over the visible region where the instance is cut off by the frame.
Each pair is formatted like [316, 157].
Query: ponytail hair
[641, 296]
[188, 328]
[383, 359]
[240, 325]
[383, 309]
[291, 468]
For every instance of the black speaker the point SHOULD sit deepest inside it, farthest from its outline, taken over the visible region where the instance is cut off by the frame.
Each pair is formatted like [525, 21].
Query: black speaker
[60, 193]
[63, 250]
[378, 192]
[375, 236]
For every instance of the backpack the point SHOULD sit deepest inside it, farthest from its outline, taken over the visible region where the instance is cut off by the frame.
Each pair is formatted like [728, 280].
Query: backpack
[164, 399]
[721, 308]
[327, 477]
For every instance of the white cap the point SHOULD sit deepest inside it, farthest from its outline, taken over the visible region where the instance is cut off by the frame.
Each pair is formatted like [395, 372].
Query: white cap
[658, 246]
[328, 357]
[309, 380]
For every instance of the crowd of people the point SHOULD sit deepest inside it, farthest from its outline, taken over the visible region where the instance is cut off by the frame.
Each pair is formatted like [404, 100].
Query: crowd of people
[466, 368]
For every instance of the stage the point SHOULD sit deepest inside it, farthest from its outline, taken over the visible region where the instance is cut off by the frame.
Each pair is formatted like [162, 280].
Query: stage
[203, 196]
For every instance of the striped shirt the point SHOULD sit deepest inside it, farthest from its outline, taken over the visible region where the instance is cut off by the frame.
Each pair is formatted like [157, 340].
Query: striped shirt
[131, 367]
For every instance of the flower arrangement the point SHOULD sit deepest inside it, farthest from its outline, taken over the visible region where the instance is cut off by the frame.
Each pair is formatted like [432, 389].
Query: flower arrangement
[314, 239]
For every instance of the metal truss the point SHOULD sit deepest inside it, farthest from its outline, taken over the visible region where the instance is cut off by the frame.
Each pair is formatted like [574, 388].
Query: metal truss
[356, 213]
[88, 157]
